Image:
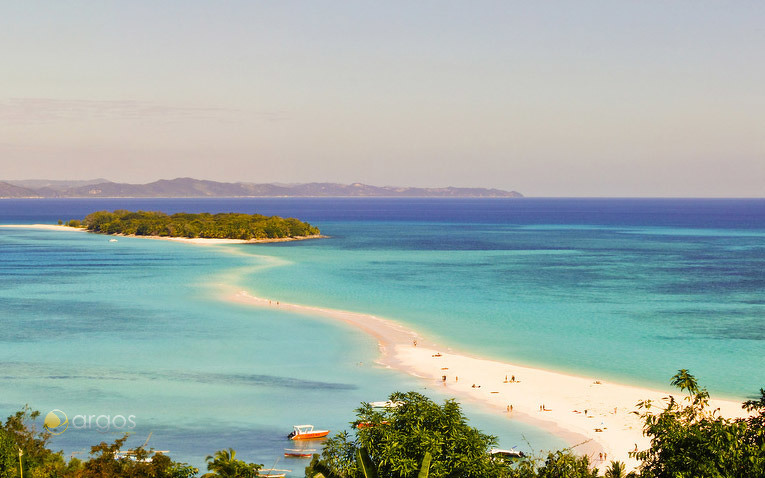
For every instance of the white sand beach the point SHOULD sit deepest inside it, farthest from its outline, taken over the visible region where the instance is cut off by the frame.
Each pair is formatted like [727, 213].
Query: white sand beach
[51, 227]
[187, 240]
[589, 412]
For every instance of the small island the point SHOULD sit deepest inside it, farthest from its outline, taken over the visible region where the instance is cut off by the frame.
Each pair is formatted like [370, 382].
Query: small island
[232, 226]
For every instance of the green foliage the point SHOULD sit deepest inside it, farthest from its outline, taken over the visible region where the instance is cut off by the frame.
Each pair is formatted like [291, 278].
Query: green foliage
[399, 438]
[364, 463]
[19, 432]
[74, 223]
[318, 469]
[107, 461]
[616, 470]
[9, 465]
[205, 225]
[560, 464]
[224, 464]
[689, 440]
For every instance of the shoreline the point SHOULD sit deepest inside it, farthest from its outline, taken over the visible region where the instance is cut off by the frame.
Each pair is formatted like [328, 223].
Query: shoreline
[187, 240]
[608, 427]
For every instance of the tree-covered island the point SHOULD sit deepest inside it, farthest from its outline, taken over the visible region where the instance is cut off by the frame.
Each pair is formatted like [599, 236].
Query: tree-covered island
[205, 225]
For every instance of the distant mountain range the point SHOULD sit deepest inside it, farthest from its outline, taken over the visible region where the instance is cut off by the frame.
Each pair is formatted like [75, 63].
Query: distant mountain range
[188, 187]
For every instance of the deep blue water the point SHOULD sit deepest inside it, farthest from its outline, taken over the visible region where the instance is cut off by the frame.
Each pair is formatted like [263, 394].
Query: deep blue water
[681, 213]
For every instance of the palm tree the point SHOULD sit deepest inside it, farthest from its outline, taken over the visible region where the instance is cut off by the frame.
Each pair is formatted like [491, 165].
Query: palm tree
[616, 470]
[685, 381]
[224, 464]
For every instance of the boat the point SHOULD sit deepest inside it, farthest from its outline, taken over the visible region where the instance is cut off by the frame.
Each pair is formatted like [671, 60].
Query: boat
[273, 472]
[296, 453]
[386, 404]
[500, 453]
[306, 432]
[369, 424]
[131, 455]
[112, 240]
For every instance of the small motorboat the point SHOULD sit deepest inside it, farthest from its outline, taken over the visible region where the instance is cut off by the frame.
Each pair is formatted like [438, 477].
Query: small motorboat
[306, 432]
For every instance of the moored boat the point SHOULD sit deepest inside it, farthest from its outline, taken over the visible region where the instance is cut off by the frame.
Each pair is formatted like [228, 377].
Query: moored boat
[273, 472]
[297, 453]
[369, 424]
[306, 432]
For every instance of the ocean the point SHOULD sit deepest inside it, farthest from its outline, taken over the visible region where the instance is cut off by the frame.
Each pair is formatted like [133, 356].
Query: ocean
[629, 290]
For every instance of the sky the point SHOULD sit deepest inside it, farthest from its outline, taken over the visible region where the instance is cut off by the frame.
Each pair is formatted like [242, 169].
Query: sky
[552, 98]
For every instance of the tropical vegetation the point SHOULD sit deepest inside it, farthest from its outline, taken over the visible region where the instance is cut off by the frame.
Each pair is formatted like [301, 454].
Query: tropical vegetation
[204, 225]
[418, 438]
[688, 439]
[24, 450]
[398, 437]
[224, 464]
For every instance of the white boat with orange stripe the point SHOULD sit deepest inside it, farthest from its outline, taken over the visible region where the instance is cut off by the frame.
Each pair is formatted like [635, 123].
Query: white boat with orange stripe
[306, 432]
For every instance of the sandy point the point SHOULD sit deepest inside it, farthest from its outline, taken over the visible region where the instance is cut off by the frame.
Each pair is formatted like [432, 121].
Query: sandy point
[203, 241]
[594, 414]
[50, 227]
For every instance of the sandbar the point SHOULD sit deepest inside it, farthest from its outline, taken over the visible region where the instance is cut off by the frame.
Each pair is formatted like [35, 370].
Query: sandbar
[594, 414]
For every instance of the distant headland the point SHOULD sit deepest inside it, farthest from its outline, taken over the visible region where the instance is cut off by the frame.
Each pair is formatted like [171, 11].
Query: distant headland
[205, 226]
[189, 187]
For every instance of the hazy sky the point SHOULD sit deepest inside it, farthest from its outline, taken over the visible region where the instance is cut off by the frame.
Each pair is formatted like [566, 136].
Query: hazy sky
[586, 98]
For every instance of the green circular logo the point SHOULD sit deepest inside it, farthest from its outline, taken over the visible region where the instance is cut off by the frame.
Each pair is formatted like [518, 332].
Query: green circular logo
[56, 422]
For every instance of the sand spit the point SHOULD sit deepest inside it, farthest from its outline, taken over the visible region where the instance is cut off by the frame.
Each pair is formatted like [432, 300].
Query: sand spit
[595, 414]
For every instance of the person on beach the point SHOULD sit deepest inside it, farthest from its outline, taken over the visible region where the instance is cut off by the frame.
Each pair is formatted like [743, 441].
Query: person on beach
[512, 379]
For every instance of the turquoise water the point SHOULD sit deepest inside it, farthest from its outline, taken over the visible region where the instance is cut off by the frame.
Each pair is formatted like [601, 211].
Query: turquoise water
[631, 304]
[622, 289]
